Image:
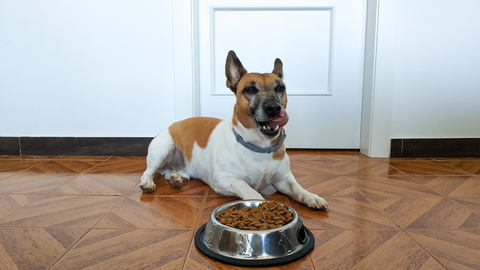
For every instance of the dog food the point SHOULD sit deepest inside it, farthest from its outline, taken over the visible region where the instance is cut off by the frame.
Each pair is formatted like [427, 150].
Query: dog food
[268, 215]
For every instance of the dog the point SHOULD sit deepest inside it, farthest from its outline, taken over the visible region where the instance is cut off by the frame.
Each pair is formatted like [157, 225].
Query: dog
[237, 157]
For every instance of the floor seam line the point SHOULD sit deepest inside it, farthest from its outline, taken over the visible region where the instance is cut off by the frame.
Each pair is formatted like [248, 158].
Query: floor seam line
[204, 202]
[424, 249]
[70, 248]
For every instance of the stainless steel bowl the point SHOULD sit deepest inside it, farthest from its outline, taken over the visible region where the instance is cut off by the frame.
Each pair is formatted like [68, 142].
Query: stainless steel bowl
[253, 248]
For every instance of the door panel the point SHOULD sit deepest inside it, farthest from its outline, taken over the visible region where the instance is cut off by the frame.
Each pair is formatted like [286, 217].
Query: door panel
[321, 44]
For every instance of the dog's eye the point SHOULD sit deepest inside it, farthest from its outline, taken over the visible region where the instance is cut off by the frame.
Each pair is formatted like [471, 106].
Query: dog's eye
[279, 88]
[250, 90]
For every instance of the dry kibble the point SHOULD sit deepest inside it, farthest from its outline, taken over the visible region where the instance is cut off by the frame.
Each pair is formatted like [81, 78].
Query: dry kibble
[268, 215]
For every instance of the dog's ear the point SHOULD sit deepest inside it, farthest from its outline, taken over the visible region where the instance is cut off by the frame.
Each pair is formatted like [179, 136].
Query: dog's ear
[234, 71]
[278, 68]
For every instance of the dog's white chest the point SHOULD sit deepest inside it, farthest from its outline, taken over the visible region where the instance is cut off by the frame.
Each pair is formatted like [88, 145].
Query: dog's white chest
[225, 158]
[259, 174]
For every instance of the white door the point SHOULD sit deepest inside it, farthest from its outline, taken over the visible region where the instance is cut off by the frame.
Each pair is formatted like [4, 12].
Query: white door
[321, 45]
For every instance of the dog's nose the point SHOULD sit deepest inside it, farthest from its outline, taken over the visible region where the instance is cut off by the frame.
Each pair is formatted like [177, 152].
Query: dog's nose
[272, 108]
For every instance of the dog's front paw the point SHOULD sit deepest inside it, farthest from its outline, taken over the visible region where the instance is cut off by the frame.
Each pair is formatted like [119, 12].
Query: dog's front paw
[148, 187]
[316, 202]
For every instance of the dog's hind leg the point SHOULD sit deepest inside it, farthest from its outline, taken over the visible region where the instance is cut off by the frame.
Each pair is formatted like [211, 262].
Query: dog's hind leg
[160, 151]
[177, 177]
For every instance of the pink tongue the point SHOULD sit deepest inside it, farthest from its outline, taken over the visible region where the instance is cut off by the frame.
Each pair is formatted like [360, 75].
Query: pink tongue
[281, 120]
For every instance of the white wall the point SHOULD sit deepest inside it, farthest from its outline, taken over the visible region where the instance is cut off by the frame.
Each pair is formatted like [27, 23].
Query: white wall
[437, 70]
[85, 68]
[106, 68]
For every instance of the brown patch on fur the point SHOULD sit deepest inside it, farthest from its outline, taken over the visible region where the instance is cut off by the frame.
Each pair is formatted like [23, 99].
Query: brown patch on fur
[234, 120]
[280, 153]
[190, 131]
[278, 139]
[284, 101]
[241, 113]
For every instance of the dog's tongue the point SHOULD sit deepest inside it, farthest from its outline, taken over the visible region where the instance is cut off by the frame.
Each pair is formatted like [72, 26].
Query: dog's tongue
[280, 121]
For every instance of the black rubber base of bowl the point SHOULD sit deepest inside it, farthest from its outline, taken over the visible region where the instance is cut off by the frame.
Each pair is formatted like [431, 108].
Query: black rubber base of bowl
[307, 247]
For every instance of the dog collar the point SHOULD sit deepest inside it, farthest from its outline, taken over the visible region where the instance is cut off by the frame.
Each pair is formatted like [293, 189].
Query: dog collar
[259, 149]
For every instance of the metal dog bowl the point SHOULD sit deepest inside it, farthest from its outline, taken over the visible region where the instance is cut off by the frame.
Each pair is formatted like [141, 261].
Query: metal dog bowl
[253, 248]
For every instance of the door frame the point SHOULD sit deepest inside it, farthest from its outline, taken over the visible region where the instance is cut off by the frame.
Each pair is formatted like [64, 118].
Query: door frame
[379, 69]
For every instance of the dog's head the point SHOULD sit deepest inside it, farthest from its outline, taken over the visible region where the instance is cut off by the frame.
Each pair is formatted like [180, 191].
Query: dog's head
[261, 98]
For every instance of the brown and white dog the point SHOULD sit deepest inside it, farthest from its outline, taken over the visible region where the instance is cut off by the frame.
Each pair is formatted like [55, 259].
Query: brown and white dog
[238, 157]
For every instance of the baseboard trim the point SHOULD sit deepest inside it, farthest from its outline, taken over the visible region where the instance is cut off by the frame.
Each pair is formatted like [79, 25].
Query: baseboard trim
[74, 146]
[138, 146]
[448, 147]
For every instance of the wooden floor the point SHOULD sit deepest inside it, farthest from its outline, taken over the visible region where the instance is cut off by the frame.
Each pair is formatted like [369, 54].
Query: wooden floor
[89, 213]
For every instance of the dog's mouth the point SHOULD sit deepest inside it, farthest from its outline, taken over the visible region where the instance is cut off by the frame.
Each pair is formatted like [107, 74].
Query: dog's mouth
[272, 127]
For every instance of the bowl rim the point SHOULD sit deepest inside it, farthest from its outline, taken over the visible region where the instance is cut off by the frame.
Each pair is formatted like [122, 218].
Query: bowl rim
[227, 205]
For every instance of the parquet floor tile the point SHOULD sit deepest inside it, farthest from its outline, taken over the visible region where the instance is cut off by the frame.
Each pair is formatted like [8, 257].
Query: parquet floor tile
[68, 212]
[128, 249]
[301, 168]
[62, 211]
[154, 212]
[377, 186]
[5, 174]
[460, 186]
[456, 249]
[98, 184]
[35, 248]
[28, 183]
[121, 165]
[328, 185]
[469, 166]
[425, 167]
[367, 249]
[11, 202]
[353, 156]
[344, 213]
[296, 155]
[472, 203]
[16, 165]
[63, 166]
[82, 158]
[428, 213]
[364, 167]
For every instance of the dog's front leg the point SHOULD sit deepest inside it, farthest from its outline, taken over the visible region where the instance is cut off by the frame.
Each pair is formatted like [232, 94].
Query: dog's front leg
[230, 185]
[290, 187]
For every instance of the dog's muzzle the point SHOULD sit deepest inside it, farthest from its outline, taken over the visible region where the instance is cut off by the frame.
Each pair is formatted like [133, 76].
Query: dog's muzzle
[278, 118]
